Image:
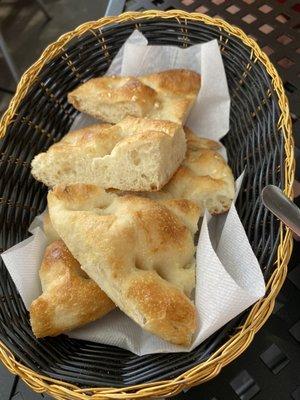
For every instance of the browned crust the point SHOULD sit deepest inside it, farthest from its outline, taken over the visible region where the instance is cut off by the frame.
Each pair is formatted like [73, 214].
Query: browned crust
[195, 142]
[176, 81]
[167, 311]
[164, 95]
[203, 177]
[70, 299]
[108, 86]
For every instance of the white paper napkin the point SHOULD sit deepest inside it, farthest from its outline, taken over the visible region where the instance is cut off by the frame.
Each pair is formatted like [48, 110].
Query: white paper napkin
[23, 262]
[227, 283]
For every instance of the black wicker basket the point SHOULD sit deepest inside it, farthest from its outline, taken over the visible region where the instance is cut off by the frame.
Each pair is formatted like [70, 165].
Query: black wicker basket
[40, 115]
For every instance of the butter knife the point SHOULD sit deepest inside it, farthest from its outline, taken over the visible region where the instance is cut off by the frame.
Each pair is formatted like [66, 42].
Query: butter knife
[284, 209]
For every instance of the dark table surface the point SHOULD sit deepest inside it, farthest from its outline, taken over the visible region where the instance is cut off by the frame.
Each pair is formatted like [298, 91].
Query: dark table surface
[270, 368]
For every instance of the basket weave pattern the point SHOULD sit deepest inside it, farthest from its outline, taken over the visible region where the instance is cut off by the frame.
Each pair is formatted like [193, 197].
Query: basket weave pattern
[256, 81]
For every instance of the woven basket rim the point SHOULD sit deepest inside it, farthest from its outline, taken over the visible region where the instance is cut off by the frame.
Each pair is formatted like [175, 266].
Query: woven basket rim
[259, 312]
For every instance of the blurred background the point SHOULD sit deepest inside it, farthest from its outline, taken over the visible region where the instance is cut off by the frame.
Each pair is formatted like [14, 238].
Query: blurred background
[28, 26]
[270, 368]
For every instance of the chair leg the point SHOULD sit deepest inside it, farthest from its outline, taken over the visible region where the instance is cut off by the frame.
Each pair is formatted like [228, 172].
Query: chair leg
[43, 8]
[115, 7]
[5, 90]
[8, 59]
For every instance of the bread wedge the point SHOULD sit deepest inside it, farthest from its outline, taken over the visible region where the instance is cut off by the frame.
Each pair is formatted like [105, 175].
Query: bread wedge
[139, 251]
[136, 154]
[167, 95]
[204, 177]
[70, 298]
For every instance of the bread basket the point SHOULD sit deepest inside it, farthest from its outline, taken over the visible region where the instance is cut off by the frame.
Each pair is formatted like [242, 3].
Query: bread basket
[259, 141]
